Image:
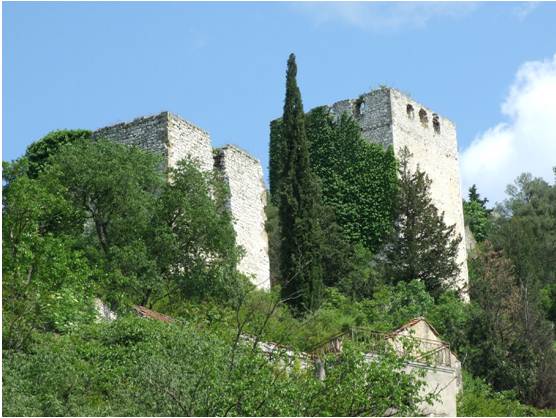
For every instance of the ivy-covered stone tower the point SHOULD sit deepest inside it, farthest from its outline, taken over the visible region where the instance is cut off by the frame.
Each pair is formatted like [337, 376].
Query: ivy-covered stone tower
[389, 117]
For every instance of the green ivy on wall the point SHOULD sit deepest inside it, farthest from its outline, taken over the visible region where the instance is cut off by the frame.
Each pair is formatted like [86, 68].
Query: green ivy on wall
[358, 178]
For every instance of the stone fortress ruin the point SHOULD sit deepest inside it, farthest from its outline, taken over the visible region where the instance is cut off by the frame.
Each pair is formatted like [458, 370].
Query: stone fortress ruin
[386, 116]
[175, 139]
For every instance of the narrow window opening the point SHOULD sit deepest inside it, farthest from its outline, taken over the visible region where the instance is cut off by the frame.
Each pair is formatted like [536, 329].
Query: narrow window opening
[359, 107]
[436, 123]
[423, 117]
[410, 111]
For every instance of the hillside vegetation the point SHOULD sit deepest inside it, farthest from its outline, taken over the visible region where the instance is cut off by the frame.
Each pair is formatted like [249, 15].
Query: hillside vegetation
[86, 220]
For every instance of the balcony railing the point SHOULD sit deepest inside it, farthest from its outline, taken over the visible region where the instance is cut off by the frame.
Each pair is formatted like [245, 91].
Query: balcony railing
[422, 350]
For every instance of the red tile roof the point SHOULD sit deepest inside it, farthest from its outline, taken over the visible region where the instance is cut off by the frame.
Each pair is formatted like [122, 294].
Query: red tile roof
[148, 313]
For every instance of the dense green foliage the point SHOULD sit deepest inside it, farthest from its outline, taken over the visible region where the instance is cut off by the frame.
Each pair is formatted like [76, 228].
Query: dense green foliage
[353, 243]
[511, 338]
[480, 400]
[526, 228]
[422, 246]
[39, 151]
[477, 215]
[47, 283]
[357, 178]
[391, 307]
[346, 266]
[125, 235]
[140, 367]
[301, 271]
[510, 341]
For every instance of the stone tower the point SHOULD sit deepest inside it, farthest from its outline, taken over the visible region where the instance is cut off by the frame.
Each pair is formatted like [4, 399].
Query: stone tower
[388, 117]
[175, 139]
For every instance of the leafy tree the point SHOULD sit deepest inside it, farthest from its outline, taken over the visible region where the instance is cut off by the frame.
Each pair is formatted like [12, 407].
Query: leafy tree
[450, 316]
[47, 283]
[476, 214]
[480, 400]
[511, 343]
[115, 189]
[526, 229]
[146, 240]
[192, 239]
[548, 301]
[422, 246]
[393, 306]
[140, 367]
[361, 277]
[300, 261]
[40, 151]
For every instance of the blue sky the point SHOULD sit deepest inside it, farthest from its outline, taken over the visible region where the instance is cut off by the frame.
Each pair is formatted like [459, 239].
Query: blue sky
[222, 67]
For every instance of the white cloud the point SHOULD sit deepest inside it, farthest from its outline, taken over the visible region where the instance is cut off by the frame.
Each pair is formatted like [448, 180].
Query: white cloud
[526, 143]
[522, 10]
[382, 16]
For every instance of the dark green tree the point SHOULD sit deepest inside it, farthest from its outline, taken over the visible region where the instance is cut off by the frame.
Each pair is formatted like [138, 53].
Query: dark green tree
[474, 196]
[276, 160]
[526, 229]
[192, 239]
[272, 228]
[422, 247]
[300, 207]
[511, 343]
[358, 179]
[476, 214]
[40, 151]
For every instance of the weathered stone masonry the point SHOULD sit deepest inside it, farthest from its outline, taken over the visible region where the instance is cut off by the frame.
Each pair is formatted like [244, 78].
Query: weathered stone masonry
[244, 176]
[388, 117]
[176, 139]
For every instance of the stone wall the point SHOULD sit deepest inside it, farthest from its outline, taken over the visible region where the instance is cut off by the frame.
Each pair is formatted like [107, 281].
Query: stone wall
[185, 140]
[148, 132]
[244, 176]
[389, 117]
[175, 139]
[373, 114]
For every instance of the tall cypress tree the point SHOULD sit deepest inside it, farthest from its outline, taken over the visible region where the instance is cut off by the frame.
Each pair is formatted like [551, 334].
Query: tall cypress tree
[299, 207]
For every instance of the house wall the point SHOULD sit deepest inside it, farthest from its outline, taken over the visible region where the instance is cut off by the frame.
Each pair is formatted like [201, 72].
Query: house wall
[441, 381]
